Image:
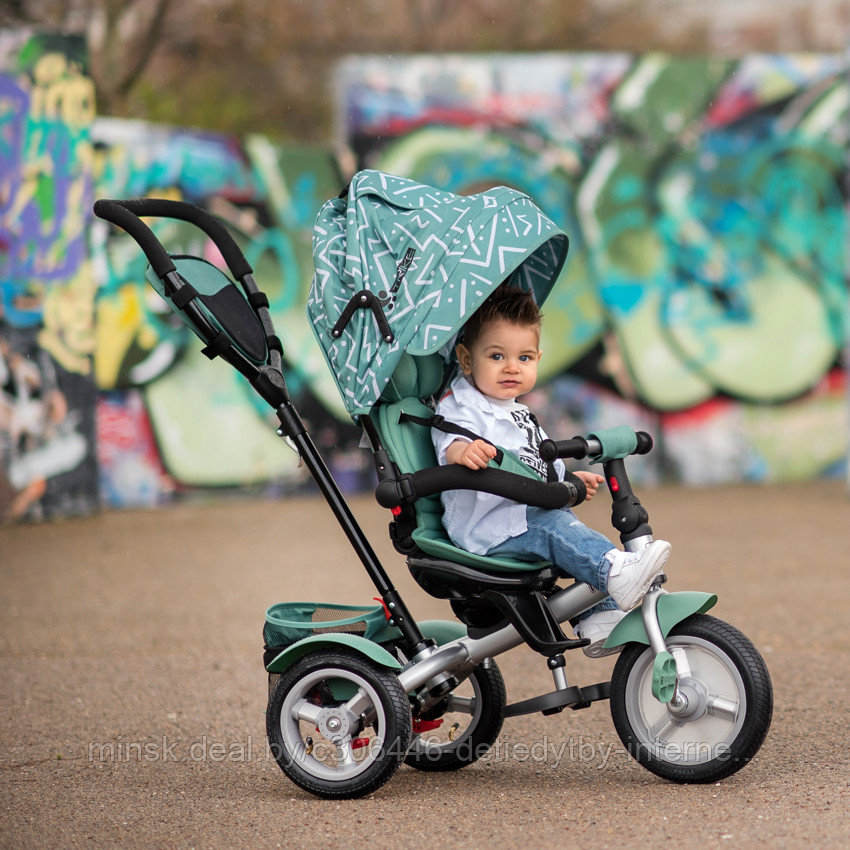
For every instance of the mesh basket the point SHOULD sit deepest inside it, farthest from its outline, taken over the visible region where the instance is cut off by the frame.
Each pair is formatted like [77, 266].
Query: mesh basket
[288, 622]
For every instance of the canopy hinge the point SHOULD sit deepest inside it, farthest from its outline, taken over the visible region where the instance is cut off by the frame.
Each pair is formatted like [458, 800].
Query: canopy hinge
[364, 300]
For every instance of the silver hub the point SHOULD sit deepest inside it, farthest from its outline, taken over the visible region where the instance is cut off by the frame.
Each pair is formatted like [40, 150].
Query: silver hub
[334, 723]
[692, 699]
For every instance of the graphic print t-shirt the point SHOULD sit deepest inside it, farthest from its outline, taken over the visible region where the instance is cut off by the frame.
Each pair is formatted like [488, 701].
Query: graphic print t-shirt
[526, 421]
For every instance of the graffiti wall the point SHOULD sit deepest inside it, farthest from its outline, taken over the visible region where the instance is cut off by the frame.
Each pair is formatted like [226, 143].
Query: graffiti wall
[705, 294]
[47, 391]
[105, 395]
[704, 298]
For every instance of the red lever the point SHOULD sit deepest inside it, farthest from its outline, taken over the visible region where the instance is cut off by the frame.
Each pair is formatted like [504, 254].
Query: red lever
[614, 484]
[396, 511]
[420, 726]
[384, 606]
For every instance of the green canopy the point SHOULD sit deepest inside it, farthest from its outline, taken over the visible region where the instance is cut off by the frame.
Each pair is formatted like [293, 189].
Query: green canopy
[401, 266]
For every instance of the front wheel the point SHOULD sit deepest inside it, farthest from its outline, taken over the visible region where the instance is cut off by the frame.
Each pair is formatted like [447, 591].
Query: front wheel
[338, 724]
[725, 710]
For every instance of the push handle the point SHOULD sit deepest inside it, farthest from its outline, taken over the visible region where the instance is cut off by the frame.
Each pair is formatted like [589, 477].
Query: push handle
[126, 215]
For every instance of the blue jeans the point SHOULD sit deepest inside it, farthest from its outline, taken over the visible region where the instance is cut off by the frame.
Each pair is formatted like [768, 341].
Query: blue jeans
[560, 537]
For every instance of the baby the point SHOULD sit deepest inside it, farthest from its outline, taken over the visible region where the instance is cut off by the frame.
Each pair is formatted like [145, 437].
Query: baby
[498, 359]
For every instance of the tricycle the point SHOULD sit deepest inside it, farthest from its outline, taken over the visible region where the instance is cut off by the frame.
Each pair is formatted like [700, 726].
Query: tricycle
[355, 691]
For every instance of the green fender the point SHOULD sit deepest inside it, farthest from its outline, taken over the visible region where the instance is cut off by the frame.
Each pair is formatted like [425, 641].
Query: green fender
[672, 609]
[442, 631]
[332, 640]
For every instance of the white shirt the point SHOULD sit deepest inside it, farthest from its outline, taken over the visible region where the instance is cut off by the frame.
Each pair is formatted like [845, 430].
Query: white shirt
[476, 521]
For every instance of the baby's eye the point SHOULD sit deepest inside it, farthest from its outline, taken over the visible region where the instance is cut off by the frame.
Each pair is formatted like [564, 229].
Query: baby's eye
[495, 356]
[524, 358]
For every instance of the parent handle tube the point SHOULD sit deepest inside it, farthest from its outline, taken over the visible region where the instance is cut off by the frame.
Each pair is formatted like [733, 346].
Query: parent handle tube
[126, 214]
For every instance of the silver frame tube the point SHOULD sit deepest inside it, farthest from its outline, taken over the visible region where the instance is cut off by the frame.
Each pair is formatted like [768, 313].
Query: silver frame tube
[565, 604]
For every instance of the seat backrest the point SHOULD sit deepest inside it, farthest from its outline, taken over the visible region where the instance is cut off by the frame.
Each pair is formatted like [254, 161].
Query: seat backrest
[409, 445]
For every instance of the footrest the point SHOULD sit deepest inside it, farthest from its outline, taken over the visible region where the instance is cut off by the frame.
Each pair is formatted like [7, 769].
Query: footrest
[531, 616]
[551, 703]
[664, 677]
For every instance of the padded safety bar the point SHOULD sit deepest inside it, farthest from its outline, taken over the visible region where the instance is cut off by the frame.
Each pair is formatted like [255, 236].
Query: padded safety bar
[519, 488]
[126, 214]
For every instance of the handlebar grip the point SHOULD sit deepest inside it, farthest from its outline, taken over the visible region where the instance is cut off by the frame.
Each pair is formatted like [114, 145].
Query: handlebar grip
[126, 215]
[117, 213]
[576, 448]
[644, 443]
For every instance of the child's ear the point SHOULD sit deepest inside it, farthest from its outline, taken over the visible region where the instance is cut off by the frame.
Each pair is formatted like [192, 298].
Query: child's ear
[464, 357]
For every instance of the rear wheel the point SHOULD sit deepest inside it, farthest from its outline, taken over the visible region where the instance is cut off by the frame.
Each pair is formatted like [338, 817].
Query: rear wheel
[725, 712]
[463, 725]
[338, 724]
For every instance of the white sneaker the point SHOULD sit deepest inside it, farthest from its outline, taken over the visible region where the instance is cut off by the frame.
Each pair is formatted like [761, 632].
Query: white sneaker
[632, 573]
[596, 629]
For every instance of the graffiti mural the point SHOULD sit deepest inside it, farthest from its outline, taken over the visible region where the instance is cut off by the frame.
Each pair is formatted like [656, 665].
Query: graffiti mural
[704, 298]
[195, 406]
[705, 204]
[47, 393]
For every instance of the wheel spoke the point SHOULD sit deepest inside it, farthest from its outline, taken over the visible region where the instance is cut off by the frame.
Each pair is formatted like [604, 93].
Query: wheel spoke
[663, 727]
[720, 707]
[463, 705]
[359, 704]
[305, 710]
[683, 668]
[345, 754]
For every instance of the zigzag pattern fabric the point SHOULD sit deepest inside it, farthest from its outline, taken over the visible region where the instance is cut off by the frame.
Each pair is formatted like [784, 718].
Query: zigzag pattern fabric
[430, 258]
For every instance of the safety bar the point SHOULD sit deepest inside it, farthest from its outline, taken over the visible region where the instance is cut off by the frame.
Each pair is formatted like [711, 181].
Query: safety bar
[393, 491]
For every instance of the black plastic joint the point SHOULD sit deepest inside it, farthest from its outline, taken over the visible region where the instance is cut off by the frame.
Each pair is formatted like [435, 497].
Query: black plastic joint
[184, 295]
[216, 346]
[290, 420]
[387, 494]
[627, 517]
[258, 300]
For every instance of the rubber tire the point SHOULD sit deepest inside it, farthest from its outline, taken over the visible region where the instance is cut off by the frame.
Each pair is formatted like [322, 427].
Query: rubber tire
[482, 736]
[758, 693]
[397, 735]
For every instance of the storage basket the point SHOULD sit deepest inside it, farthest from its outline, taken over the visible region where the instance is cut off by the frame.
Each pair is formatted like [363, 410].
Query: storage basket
[288, 622]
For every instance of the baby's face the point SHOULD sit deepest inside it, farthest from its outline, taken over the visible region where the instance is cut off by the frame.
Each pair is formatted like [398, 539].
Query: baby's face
[503, 360]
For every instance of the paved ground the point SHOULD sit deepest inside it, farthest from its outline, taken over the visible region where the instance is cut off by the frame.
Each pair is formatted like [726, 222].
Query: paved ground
[133, 690]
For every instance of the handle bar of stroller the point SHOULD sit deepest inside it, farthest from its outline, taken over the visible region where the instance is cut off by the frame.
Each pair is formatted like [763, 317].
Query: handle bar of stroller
[125, 214]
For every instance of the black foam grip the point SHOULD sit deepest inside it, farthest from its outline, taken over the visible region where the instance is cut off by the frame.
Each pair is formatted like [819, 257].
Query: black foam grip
[644, 443]
[518, 488]
[219, 234]
[116, 213]
[575, 448]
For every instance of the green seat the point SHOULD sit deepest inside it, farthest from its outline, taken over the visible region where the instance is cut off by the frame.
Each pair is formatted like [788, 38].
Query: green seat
[410, 447]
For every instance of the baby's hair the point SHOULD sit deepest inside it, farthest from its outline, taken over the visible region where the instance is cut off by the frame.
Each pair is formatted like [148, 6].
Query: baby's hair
[507, 302]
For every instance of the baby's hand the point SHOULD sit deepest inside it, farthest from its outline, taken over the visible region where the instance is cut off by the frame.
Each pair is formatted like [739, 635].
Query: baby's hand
[592, 480]
[475, 455]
